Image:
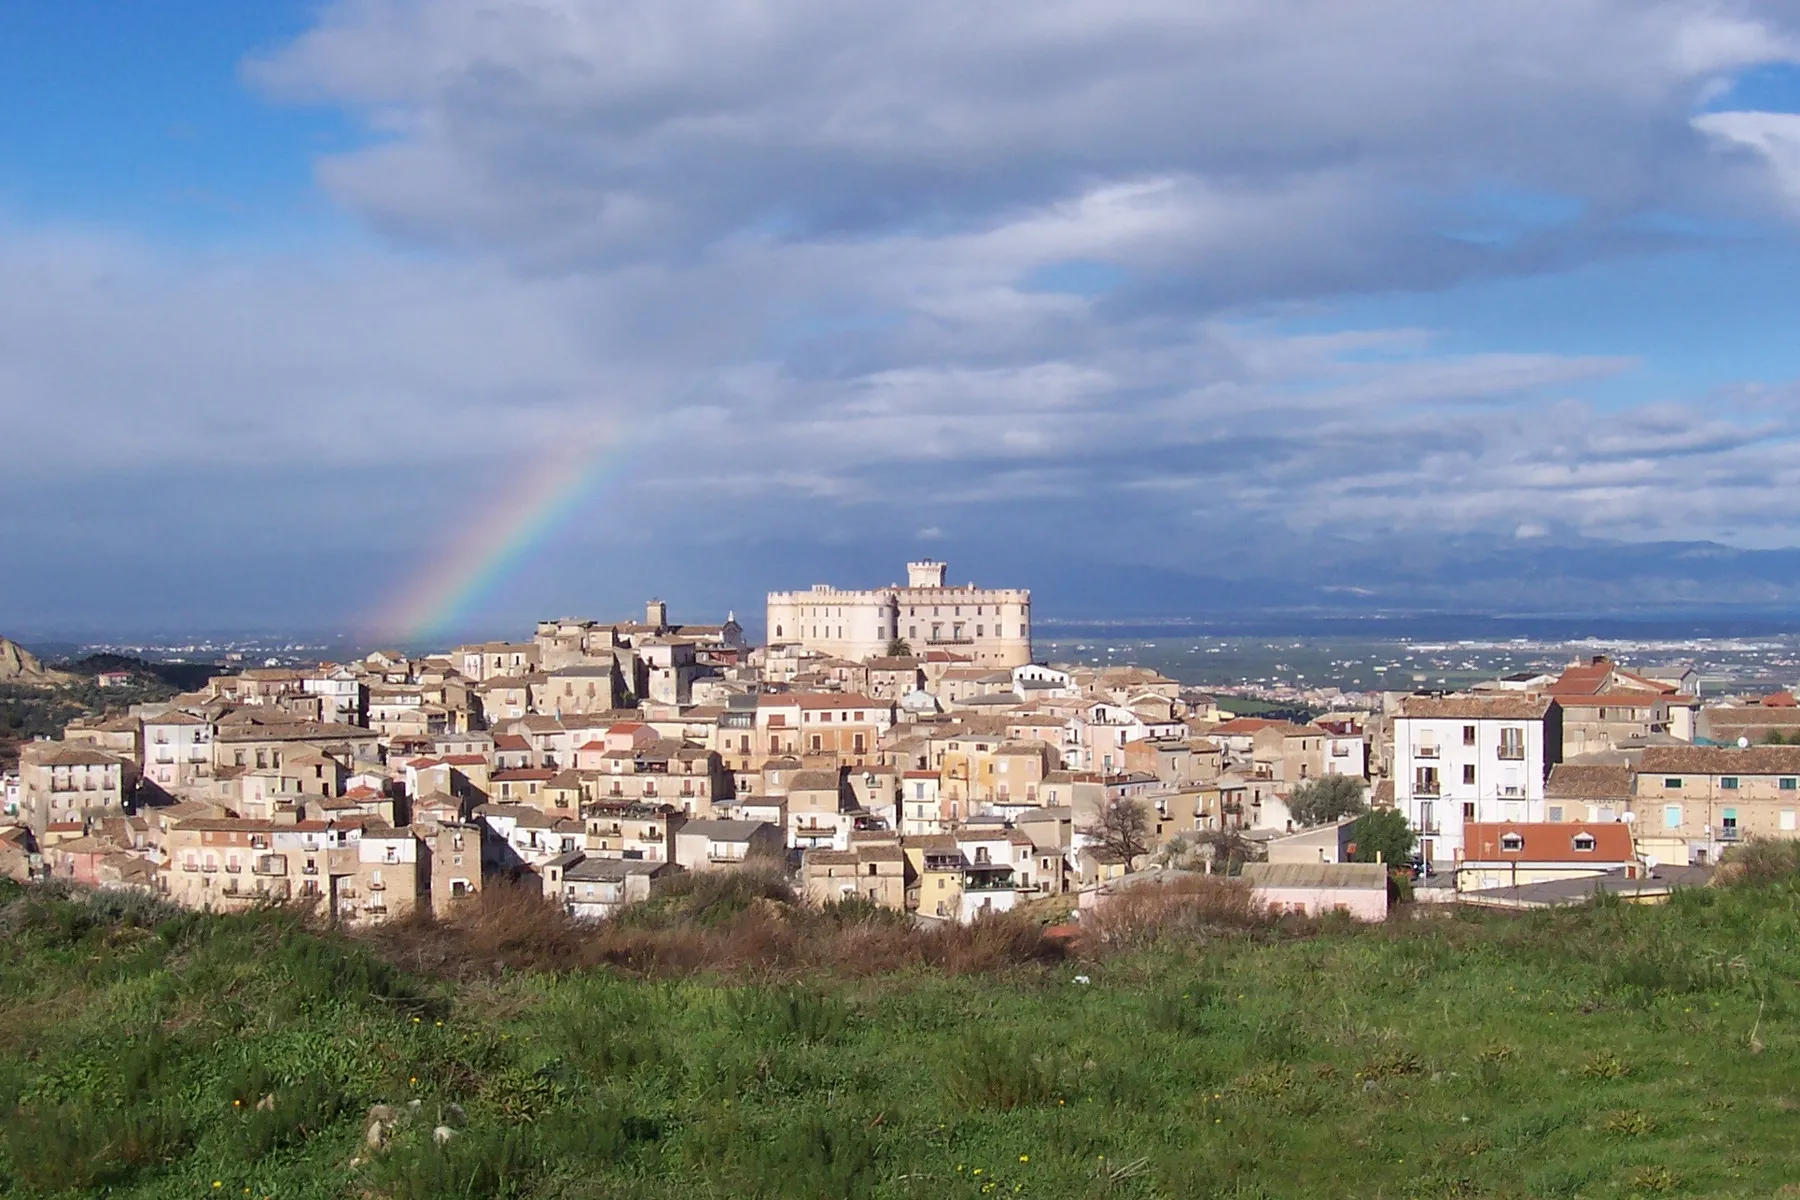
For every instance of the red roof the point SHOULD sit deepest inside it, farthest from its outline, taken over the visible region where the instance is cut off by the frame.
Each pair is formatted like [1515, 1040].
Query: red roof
[1245, 725]
[511, 741]
[1779, 700]
[465, 760]
[1547, 841]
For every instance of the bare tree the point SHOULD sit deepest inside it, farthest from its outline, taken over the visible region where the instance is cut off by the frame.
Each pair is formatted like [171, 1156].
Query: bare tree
[1122, 828]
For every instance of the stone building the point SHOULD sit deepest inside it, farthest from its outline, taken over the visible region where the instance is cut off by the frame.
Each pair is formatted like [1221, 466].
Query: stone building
[990, 627]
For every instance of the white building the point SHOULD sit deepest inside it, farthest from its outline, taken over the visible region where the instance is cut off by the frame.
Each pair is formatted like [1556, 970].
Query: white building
[178, 750]
[1461, 759]
[992, 627]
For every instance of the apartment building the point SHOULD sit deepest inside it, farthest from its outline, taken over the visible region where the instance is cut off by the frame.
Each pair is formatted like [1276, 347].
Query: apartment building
[178, 751]
[991, 627]
[64, 782]
[1693, 802]
[1465, 759]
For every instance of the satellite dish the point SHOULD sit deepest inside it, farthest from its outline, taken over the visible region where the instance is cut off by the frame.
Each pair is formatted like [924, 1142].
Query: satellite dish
[1743, 743]
[1629, 818]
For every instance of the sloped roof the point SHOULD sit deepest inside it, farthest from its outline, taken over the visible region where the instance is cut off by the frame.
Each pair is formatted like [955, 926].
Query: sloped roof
[1476, 708]
[1350, 876]
[1589, 781]
[1547, 841]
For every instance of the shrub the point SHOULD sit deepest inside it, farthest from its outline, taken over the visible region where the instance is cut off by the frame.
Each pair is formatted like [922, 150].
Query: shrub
[991, 1073]
[1760, 862]
[473, 1165]
[267, 1116]
[790, 1015]
[70, 1147]
[1184, 908]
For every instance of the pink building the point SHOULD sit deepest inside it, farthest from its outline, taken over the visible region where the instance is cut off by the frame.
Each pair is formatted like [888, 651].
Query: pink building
[1314, 889]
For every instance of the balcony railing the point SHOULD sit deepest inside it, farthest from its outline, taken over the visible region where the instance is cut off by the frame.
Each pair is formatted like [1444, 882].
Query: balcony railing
[1728, 835]
[1512, 753]
[209, 868]
[1431, 789]
[376, 885]
[1425, 751]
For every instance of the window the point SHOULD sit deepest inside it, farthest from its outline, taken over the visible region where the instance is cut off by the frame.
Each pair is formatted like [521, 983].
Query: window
[1583, 843]
[1788, 783]
[1512, 841]
[1512, 742]
[1672, 784]
[1468, 810]
[1468, 735]
[1729, 783]
[1556, 812]
[1468, 772]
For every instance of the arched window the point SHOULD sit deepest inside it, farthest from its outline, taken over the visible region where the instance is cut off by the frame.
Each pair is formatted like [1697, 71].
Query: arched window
[1512, 841]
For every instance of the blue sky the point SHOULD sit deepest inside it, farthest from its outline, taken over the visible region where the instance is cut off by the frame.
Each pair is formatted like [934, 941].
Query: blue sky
[295, 296]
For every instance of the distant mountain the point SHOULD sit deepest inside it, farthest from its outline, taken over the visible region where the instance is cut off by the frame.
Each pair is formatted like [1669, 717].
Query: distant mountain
[1413, 575]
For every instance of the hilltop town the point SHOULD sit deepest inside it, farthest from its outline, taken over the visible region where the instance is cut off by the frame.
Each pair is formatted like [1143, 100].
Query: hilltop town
[900, 746]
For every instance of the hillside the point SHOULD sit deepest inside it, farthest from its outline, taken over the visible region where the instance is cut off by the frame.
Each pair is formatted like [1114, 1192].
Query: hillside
[1610, 1052]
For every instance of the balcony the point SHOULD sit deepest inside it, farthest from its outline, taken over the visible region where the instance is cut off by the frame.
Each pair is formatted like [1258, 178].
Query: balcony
[1425, 751]
[310, 869]
[999, 883]
[949, 640]
[376, 885]
[1511, 754]
[1430, 789]
[190, 866]
[209, 868]
[1729, 835]
[233, 868]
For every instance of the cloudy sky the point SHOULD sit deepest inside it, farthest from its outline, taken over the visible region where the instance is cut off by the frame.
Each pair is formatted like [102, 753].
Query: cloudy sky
[306, 309]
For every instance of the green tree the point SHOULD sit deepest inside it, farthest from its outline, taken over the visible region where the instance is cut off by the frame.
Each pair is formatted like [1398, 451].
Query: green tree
[899, 648]
[1383, 832]
[1328, 798]
[1774, 738]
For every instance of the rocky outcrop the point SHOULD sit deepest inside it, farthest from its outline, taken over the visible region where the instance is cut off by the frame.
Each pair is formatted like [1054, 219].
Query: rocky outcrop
[19, 665]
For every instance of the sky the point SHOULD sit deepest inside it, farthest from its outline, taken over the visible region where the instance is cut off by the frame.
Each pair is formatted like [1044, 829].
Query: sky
[435, 317]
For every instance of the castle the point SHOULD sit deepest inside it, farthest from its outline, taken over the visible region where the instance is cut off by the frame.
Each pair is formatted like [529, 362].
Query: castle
[989, 626]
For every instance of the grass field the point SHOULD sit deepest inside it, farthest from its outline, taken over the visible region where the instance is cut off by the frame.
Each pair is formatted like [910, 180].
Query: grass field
[1611, 1052]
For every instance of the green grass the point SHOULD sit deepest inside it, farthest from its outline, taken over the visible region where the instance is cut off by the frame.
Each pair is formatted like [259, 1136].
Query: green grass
[1612, 1052]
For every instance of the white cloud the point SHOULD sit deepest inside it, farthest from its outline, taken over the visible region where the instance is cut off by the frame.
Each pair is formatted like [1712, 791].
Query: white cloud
[1775, 137]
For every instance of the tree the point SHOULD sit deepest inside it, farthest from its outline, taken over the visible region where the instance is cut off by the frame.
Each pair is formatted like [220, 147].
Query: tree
[1774, 738]
[1327, 798]
[899, 648]
[1383, 832]
[1122, 828]
[1226, 850]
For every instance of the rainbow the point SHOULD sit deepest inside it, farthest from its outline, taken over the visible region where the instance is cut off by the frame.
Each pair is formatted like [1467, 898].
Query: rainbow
[490, 549]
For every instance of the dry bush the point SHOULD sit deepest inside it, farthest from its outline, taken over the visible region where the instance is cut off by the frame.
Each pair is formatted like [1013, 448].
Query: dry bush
[1184, 908]
[1759, 862]
[730, 923]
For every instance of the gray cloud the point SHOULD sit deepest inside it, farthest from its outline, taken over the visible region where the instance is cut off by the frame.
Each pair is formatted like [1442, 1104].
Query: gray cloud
[819, 255]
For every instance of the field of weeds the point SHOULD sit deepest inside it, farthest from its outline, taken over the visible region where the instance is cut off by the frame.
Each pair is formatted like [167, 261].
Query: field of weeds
[724, 1042]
